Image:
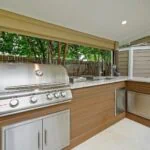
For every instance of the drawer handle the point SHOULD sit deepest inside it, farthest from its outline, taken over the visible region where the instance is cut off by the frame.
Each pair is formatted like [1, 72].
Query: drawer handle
[45, 136]
[39, 140]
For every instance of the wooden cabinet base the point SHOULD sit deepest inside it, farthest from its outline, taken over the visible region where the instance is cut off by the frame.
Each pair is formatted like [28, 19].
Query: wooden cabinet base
[92, 110]
[138, 119]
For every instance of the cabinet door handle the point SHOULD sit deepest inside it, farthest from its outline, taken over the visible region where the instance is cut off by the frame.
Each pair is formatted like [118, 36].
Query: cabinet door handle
[45, 136]
[39, 140]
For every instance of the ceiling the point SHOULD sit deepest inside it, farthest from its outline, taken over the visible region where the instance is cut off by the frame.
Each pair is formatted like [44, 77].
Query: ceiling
[97, 17]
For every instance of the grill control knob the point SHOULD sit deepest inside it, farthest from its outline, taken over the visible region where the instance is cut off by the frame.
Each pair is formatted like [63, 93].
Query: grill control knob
[39, 73]
[14, 102]
[33, 99]
[49, 96]
[63, 94]
[57, 95]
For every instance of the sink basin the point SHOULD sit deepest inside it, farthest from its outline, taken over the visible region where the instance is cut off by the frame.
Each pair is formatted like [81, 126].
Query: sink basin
[90, 78]
[93, 78]
[75, 79]
[110, 77]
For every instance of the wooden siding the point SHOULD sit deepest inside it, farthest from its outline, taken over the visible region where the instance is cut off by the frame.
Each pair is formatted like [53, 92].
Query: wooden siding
[122, 62]
[15, 23]
[92, 108]
[141, 63]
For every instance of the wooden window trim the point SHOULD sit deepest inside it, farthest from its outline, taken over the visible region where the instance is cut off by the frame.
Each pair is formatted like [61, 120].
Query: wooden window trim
[12, 22]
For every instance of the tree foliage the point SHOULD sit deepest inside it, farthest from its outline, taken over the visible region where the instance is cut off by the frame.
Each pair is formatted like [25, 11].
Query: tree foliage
[46, 51]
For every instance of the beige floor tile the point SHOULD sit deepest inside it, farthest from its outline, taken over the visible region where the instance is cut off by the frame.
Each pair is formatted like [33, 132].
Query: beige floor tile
[124, 135]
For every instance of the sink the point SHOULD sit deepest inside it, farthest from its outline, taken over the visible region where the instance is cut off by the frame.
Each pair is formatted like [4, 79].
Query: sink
[110, 77]
[84, 78]
[93, 78]
[75, 79]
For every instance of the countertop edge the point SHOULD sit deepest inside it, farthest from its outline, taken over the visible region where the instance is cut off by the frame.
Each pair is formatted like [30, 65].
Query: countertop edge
[87, 84]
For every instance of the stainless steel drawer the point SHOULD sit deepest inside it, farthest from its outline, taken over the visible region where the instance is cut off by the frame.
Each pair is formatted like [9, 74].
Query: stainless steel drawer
[139, 104]
[120, 101]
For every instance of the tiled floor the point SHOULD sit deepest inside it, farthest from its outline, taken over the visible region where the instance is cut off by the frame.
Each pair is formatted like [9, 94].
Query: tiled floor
[125, 135]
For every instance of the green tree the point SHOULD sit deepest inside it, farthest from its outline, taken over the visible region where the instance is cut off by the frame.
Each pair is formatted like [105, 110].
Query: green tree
[46, 51]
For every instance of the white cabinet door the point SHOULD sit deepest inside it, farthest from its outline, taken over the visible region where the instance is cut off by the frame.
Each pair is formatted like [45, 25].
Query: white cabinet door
[27, 136]
[56, 131]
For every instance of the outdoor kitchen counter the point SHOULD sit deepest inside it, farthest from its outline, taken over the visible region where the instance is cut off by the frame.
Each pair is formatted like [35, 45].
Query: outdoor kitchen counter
[98, 82]
[108, 81]
[92, 109]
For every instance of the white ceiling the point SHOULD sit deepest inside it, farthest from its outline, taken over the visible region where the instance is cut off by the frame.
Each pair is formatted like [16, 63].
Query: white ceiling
[98, 17]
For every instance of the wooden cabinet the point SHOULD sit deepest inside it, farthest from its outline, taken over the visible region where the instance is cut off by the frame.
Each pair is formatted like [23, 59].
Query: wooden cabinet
[48, 133]
[93, 110]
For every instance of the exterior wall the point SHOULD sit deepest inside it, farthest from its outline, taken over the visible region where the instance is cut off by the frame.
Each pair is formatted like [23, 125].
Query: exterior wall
[141, 63]
[140, 59]
[122, 62]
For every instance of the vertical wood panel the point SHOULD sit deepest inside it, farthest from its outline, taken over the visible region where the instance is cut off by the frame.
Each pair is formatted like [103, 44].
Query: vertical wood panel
[92, 110]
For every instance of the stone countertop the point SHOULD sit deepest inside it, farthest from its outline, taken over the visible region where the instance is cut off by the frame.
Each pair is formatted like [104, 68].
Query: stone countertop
[108, 81]
[97, 82]
[139, 79]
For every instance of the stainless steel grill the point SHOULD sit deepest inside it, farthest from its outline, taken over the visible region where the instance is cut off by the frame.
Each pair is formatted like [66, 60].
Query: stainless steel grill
[25, 87]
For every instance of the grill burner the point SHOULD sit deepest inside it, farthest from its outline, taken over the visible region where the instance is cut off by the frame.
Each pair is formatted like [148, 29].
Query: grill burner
[30, 86]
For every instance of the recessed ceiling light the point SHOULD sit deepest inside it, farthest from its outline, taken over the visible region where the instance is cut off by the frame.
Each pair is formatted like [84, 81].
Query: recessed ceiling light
[124, 22]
